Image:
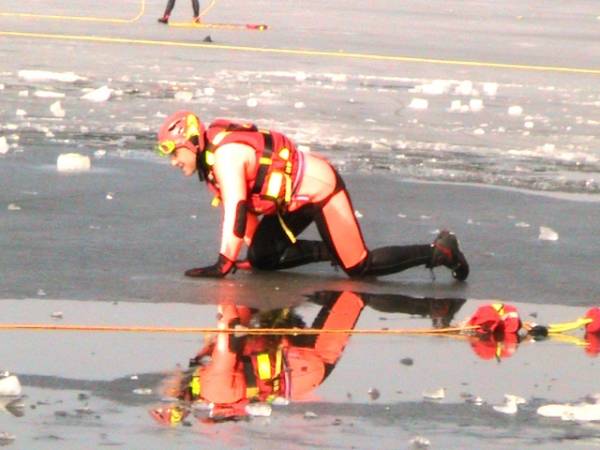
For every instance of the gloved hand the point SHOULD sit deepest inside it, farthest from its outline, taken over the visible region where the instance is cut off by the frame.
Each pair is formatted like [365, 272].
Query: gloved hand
[217, 270]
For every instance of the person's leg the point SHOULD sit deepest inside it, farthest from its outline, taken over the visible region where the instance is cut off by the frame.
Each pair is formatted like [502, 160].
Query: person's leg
[196, 8]
[271, 248]
[168, 9]
[340, 230]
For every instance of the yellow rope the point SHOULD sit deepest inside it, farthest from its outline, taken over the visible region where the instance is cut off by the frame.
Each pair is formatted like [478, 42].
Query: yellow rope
[80, 18]
[297, 52]
[568, 326]
[208, 8]
[259, 331]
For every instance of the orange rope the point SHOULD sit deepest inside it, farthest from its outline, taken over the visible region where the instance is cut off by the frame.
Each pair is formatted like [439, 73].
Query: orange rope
[260, 331]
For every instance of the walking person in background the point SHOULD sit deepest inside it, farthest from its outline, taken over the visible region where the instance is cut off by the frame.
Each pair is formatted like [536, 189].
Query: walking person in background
[171, 4]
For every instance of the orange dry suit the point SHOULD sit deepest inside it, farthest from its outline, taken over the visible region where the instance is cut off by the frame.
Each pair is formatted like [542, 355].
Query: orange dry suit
[263, 368]
[256, 173]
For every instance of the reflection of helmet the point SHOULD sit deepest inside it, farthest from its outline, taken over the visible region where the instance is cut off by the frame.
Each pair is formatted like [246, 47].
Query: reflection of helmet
[170, 415]
[181, 129]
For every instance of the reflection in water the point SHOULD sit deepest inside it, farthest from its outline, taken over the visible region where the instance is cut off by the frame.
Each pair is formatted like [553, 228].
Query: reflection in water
[237, 375]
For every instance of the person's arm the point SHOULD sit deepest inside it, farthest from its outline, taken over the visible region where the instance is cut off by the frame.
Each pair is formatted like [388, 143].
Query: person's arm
[231, 162]
[230, 165]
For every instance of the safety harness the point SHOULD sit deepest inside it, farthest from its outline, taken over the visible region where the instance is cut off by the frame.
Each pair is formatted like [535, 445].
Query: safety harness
[277, 157]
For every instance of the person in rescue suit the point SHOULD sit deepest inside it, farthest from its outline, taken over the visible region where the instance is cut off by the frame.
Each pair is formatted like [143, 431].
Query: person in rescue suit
[271, 192]
[234, 371]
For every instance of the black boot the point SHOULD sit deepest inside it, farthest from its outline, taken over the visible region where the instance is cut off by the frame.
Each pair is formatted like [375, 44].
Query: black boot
[446, 252]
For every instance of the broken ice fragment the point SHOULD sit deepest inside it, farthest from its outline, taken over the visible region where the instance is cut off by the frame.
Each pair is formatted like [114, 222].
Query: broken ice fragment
[10, 386]
[436, 394]
[57, 110]
[547, 234]
[418, 103]
[142, 391]
[515, 110]
[3, 145]
[99, 95]
[73, 162]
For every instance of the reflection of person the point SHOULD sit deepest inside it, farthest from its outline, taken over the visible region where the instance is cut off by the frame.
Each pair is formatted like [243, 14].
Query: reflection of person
[171, 4]
[232, 372]
[256, 173]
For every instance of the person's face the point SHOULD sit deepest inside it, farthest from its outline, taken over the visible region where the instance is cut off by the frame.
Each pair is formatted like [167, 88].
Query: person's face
[185, 159]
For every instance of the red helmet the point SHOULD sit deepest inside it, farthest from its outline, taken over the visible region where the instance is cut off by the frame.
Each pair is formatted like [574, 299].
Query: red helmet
[181, 129]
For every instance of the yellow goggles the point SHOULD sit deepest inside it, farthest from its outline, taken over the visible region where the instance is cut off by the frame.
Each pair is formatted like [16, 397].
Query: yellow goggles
[165, 148]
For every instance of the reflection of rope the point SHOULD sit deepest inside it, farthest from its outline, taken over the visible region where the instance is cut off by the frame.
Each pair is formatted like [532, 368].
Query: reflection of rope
[260, 331]
[81, 18]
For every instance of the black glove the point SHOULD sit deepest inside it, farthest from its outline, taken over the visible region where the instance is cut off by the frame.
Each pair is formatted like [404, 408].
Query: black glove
[217, 270]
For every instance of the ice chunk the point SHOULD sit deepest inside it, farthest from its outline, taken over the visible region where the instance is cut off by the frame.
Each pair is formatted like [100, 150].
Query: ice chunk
[14, 207]
[435, 394]
[510, 404]
[455, 105]
[547, 234]
[48, 94]
[419, 103]
[420, 443]
[21, 112]
[10, 386]
[3, 145]
[299, 105]
[99, 95]
[476, 104]
[528, 124]
[252, 102]
[73, 162]
[464, 88]
[436, 87]
[184, 96]
[358, 214]
[142, 391]
[24, 93]
[43, 75]
[515, 110]
[57, 110]
[490, 89]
